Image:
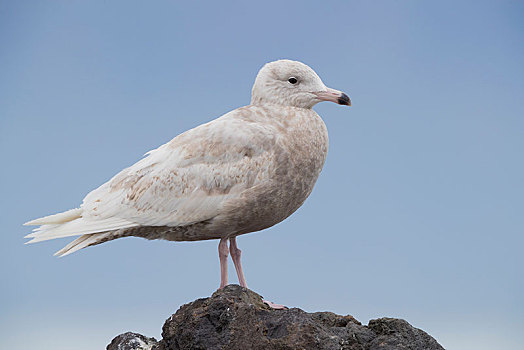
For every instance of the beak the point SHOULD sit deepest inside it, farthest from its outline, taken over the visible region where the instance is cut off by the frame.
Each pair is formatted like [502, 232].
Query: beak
[333, 96]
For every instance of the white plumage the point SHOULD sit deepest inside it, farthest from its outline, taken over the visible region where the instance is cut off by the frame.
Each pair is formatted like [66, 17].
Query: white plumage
[243, 172]
[177, 184]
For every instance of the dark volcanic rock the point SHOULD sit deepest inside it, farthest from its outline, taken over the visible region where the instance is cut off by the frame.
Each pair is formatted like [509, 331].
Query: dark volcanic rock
[131, 341]
[236, 318]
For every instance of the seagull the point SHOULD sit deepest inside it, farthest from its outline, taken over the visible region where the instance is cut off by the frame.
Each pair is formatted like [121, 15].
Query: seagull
[242, 172]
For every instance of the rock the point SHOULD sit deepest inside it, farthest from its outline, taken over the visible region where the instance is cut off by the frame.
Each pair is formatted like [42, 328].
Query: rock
[236, 318]
[131, 341]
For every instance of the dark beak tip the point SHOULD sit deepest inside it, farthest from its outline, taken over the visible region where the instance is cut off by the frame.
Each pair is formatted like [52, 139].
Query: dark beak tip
[344, 100]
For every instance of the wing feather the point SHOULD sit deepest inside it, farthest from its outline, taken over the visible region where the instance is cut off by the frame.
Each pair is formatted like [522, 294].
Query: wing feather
[188, 179]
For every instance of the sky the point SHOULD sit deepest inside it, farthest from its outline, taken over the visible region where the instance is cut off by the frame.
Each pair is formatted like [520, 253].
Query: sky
[418, 213]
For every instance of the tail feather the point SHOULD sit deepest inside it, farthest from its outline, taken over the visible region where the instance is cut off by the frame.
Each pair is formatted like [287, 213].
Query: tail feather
[59, 218]
[71, 223]
[72, 244]
[77, 227]
[82, 242]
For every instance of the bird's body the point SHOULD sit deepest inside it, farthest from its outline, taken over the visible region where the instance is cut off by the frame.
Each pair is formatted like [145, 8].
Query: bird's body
[243, 172]
[268, 173]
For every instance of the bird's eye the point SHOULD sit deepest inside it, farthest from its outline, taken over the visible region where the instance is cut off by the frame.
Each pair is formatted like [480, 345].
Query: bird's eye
[293, 80]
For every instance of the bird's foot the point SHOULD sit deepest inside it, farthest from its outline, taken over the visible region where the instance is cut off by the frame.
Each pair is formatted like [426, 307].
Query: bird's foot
[274, 306]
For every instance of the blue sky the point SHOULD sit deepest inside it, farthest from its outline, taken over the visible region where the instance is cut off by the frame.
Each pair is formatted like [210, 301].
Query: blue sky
[418, 213]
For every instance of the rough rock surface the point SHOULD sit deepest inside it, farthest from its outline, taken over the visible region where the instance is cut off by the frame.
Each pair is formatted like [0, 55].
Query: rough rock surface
[132, 341]
[236, 318]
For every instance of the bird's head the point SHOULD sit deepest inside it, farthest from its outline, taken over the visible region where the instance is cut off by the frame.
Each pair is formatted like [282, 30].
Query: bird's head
[292, 83]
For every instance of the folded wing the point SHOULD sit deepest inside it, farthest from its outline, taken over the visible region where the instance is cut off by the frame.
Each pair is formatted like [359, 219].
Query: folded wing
[188, 179]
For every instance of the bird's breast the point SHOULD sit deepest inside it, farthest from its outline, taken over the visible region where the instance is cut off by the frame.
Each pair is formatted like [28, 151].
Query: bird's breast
[298, 157]
[305, 149]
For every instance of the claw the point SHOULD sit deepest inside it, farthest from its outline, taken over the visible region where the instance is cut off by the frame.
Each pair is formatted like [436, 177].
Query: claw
[274, 306]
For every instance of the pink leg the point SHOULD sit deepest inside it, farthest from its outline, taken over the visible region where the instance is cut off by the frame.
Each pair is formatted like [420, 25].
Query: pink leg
[222, 255]
[235, 255]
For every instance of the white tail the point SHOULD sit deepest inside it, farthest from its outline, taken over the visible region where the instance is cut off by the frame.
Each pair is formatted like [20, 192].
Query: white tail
[82, 242]
[71, 223]
[59, 218]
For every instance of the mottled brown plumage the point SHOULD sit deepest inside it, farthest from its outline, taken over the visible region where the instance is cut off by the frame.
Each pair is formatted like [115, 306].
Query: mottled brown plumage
[243, 172]
[279, 176]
